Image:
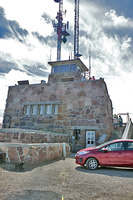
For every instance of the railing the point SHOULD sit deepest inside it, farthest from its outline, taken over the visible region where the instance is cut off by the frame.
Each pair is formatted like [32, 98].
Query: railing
[127, 130]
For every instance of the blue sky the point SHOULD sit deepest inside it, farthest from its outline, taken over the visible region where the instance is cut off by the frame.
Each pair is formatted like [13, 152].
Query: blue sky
[28, 40]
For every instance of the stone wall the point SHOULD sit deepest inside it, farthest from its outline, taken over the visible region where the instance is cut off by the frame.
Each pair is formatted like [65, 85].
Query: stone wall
[64, 77]
[32, 153]
[83, 105]
[13, 135]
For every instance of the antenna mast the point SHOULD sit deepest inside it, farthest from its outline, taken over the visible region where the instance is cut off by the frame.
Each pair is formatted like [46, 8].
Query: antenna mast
[89, 60]
[76, 30]
[60, 27]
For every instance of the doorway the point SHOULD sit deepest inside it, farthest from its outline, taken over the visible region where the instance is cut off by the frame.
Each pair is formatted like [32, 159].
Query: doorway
[90, 139]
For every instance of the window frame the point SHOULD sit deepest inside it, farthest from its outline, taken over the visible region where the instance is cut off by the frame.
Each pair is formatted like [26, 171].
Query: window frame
[41, 109]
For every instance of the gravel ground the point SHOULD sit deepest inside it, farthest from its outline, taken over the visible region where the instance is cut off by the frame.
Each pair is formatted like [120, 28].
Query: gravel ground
[64, 178]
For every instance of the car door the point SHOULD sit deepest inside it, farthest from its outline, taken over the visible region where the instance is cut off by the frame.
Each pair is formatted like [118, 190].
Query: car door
[112, 154]
[129, 154]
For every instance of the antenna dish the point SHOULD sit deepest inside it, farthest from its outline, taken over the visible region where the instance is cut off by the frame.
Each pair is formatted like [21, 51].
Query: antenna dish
[65, 33]
[78, 55]
[64, 39]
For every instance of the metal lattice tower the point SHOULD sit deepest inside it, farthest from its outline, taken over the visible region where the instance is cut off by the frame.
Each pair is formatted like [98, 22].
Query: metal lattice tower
[60, 27]
[76, 30]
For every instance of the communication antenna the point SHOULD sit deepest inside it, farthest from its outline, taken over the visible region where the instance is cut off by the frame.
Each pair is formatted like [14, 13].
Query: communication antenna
[76, 30]
[50, 54]
[89, 60]
[60, 28]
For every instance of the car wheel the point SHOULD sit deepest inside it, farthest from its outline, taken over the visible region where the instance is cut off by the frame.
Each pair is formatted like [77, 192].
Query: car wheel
[91, 163]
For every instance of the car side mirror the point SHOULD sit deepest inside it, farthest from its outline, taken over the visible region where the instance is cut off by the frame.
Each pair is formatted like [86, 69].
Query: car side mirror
[105, 150]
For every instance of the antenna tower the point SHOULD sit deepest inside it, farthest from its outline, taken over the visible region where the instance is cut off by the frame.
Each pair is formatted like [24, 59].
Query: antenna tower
[60, 28]
[89, 60]
[76, 30]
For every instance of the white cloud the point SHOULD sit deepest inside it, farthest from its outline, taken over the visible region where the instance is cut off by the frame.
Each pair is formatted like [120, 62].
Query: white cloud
[120, 93]
[28, 13]
[118, 20]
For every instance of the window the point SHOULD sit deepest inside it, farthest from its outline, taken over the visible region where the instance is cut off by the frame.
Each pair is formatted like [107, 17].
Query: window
[55, 69]
[129, 145]
[48, 110]
[27, 110]
[115, 146]
[64, 68]
[33, 110]
[73, 67]
[40, 109]
[55, 109]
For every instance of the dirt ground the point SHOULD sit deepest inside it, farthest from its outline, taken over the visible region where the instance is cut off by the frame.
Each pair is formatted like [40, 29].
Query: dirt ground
[64, 180]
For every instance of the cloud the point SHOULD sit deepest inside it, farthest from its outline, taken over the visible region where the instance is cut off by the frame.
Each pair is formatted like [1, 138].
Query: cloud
[48, 40]
[11, 29]
[111, 41]
[47, 18]
[4, 26]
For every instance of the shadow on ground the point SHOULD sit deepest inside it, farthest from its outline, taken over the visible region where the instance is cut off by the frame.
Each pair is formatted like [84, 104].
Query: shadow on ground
[28, 167]
[25, 167]
[33, 195]
[109, 171]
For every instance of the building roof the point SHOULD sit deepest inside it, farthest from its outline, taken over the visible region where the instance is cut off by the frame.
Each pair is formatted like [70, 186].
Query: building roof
[73, 61]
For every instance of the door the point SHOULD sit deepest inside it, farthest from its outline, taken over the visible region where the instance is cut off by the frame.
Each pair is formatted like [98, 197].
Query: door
[129, 154]
[114, 156]
[90, 138]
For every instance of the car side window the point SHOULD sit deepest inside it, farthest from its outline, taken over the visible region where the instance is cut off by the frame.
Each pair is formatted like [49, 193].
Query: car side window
[117, 146]
[129, 146]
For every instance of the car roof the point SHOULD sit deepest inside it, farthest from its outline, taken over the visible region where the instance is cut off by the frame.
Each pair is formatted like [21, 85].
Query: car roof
[123, 140]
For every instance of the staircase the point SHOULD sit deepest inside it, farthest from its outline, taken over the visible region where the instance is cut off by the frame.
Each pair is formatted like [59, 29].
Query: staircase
[123, 132]
[118, 133]
[128, 130]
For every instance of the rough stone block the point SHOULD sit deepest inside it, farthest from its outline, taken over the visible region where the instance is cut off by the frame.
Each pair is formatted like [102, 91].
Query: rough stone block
[13, 155]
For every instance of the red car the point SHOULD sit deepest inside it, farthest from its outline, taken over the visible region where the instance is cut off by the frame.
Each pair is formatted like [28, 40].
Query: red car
[117, 153]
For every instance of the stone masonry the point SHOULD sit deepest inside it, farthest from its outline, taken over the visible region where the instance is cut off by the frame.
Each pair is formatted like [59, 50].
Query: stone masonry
[63, 105]
[32, 153]
[83, 105]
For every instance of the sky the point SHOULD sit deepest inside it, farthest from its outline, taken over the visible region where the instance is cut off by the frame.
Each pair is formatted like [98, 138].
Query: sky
[28, 41]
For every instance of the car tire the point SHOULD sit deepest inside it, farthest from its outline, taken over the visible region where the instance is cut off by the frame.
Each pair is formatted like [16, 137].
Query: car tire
[92, 163]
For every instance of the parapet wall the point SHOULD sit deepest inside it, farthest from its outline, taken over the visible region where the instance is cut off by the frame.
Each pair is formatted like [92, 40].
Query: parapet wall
[32, 136]
[33, 153]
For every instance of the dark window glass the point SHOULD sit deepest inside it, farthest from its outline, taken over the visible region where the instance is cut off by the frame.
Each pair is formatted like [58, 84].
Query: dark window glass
[55, 69]
[129, 146]
[64, 68]
[73, 67]
[115, 146]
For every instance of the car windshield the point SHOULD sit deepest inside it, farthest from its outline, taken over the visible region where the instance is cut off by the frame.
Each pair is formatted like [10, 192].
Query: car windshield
[104, 144]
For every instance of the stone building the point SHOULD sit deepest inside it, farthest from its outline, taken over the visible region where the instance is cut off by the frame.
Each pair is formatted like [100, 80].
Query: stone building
[68, 103]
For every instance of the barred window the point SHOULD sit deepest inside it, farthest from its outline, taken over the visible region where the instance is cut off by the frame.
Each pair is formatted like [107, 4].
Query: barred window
[27, 110]
[55, 109]
[48, 110]
[40, 109]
